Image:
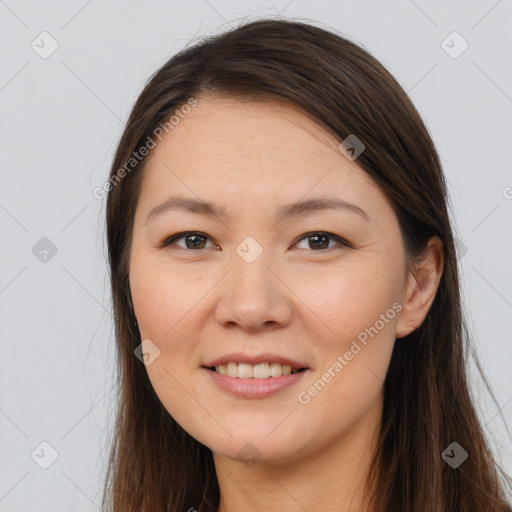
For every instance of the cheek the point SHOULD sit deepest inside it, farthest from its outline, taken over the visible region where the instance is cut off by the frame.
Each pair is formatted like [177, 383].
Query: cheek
[359, 309]
[350, 300]
[163, 297]
[167, 304]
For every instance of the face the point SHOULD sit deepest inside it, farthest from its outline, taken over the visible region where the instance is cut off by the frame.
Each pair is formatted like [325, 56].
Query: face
[256, 279]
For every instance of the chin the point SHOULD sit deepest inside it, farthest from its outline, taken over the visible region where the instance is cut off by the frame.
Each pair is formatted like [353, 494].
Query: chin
[256, 445]
[251, 451]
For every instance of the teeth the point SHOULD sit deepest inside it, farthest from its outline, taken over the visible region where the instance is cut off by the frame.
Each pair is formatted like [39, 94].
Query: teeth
[276, 370]
[232, 370]
[257, 371]
[261, 371]
[244, 371]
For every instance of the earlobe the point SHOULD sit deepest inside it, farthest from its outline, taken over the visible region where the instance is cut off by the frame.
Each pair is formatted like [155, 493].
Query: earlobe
[421, 288]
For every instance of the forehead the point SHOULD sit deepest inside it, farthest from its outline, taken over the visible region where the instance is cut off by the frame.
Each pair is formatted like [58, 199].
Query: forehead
[227, 150]
[230, 129]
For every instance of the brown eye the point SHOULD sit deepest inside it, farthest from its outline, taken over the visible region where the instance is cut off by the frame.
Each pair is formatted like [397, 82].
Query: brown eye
[193, 240]
[319, 241]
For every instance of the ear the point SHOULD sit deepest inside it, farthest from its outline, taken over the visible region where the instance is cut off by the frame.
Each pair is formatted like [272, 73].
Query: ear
[421, 288]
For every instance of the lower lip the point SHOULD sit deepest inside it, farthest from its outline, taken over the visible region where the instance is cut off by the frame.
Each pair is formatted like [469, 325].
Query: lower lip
[254, 388]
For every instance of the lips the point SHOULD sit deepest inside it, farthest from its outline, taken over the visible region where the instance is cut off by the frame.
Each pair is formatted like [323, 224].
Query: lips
[254, 388]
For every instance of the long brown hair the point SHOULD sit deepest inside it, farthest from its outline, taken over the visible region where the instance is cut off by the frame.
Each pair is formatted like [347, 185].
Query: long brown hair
[154, 465]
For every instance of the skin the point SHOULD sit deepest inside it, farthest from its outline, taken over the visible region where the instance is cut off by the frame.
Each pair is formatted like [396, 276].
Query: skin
[304, 301]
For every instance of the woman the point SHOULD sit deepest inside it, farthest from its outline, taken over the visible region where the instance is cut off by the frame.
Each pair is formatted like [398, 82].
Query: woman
[285, 288]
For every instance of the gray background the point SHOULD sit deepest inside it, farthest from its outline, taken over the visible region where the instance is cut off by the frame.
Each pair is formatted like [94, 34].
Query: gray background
[61, 118]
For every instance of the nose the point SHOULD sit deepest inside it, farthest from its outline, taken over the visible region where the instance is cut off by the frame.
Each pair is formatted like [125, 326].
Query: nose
[254, 297]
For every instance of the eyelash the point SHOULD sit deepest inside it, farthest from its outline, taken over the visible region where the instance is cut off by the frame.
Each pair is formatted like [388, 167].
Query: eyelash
[168, 241]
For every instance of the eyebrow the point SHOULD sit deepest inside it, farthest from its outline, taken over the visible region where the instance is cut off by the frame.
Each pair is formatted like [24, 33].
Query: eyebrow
[207, 209]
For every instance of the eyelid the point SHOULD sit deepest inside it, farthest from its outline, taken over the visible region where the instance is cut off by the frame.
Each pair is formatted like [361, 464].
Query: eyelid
[340, 240]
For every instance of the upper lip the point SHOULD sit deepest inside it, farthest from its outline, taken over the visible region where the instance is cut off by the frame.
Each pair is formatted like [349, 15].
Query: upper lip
[238, 357]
